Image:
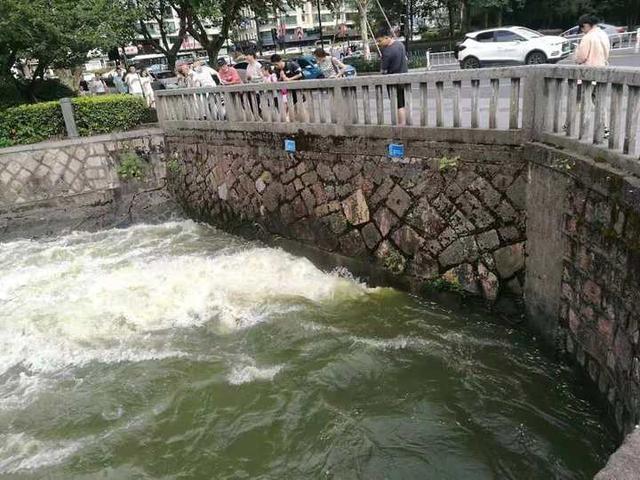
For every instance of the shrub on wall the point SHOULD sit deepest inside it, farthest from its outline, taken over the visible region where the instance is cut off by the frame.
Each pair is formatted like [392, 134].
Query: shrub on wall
[109, 113]
[31, 123]
[94, 115]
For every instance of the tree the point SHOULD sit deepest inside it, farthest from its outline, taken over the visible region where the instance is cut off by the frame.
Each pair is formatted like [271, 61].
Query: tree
[58, 34]
[151, 14]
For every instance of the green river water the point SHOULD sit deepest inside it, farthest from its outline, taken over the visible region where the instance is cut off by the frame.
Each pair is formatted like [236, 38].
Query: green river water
[176, 351]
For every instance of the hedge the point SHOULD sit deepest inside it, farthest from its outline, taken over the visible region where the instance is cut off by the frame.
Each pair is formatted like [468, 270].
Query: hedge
[94, 115]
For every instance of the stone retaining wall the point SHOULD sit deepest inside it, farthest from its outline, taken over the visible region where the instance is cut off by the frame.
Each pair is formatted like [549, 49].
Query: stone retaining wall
[451, 211]
[51, 187]
[599, 263]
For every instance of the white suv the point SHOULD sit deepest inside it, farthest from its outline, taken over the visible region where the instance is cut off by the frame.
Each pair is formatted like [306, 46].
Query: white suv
[510, 45]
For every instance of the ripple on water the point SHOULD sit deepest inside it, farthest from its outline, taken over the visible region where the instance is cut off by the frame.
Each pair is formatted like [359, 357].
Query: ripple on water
[217, 354]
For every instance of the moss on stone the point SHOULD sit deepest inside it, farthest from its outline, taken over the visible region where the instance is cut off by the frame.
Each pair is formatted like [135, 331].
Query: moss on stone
[395, 262]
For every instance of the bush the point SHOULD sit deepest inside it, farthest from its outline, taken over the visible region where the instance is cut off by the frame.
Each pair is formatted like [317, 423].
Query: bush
[109, 113]
[94, 115]
[31, 123]
[362, 65]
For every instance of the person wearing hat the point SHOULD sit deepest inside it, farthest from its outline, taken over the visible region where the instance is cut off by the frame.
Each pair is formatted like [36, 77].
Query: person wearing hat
[228, 75]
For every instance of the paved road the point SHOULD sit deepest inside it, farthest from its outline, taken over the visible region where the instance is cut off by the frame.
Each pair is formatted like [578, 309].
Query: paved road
[619, 58]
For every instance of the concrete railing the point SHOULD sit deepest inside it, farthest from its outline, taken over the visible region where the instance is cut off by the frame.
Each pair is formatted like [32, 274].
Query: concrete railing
[592, 110]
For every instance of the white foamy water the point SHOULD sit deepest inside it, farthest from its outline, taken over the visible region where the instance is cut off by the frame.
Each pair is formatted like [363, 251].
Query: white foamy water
[118, 296]
[20, 452]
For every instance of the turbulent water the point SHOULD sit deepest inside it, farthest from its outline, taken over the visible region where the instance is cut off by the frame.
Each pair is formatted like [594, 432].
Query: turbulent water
[179, 352]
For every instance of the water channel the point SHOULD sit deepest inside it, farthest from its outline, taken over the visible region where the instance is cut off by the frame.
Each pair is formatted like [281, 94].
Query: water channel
[177, 351]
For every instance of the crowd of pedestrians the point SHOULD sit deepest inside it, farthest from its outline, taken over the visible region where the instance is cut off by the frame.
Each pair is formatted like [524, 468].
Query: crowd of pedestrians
[132, 82]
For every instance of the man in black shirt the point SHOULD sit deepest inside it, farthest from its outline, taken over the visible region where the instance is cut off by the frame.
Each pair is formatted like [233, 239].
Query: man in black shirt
[288, 71]
[394, 60]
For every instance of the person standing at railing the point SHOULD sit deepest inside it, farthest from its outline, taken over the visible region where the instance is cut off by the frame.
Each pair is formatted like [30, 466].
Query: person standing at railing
[331, 67]
[593, 51]
[290, 71]
[594, 47]
[203, 75]
[394, 60]
[227, 74]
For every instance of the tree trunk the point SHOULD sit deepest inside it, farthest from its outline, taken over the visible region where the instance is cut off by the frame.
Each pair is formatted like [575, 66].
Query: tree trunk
[364, 28]
[451, 15]
[499, 17]
[466, 16]
[486, 18]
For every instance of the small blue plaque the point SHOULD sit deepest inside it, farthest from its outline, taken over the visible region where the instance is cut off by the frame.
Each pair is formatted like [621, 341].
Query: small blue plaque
[290, 146]
[396, 150]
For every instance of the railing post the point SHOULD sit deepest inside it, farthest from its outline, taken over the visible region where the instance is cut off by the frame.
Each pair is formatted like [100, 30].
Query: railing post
[534, 103]
[69, 118]
[638, 40]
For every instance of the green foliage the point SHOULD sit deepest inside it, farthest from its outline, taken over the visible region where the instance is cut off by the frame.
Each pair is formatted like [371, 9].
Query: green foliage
[109, 113]
[94, 115]
[131, 166]
[173, 166]
[362, 65]
[441, 285]
[31, 123]
[446, 163]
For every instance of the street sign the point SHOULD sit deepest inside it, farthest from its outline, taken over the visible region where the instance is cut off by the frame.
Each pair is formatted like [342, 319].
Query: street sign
[290, 146]
[396, 150]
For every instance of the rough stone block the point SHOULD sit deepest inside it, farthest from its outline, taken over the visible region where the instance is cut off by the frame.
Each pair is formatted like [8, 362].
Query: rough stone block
[398, 201]
[356, 209]
[509, 260]
[352, 244]
[371, 236]
[488, 240]
[336, 222]
[424, 266]
[309, 178]
[591, 292]
[385, 220]
[407, 240]
[462, 250]
[342, 172]
[309, 199]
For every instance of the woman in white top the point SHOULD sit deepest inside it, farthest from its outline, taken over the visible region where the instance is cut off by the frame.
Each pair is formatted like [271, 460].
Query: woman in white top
[97, 85]
[331, 67]
[254, 69]
[133, 82]
[147, 89]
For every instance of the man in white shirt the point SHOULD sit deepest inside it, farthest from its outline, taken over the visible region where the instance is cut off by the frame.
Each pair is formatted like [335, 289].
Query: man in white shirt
[203, 75]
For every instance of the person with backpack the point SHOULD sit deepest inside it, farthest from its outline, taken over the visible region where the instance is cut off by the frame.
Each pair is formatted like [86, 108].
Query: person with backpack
[330, 66]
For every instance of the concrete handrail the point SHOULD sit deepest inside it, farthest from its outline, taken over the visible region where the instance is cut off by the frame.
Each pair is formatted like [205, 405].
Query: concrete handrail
[546, 102]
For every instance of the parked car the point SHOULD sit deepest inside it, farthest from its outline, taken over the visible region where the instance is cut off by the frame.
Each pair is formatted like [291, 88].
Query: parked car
[510, 45]
[163, 79]
[241, 67]
[310, 68]
[574, 34]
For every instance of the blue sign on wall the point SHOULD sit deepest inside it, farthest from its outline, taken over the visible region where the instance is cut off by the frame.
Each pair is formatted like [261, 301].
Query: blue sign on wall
[396, 150]
[289, 146]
